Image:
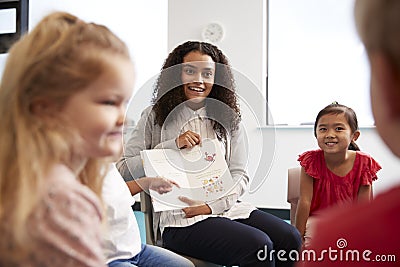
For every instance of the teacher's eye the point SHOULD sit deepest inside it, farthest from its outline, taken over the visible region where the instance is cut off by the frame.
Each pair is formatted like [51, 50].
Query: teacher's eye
[207, 74]
[109, 102]
[189, 71]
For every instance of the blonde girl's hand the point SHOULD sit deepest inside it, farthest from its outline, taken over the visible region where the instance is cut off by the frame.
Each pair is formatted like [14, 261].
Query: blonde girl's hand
[188, 139]
[161, 185]
[195, 208]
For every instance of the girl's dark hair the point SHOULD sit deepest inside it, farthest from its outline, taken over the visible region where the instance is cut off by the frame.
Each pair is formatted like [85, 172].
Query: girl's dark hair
[168, 91]
[349, 114]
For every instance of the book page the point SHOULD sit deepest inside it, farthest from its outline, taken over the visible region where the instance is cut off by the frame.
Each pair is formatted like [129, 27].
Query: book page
[201, 172]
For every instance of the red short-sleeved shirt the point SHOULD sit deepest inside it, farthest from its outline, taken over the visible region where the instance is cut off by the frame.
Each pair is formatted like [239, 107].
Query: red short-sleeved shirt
[330, 189]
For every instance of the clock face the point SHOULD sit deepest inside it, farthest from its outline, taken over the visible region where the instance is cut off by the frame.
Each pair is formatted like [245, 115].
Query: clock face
[213, 32]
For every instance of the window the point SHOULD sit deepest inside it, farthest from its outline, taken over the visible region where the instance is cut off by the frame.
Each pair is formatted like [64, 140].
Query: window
[314, 58]
[8, 20]
[13, 22]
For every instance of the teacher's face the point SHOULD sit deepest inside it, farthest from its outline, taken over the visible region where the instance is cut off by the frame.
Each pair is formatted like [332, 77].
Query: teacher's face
[198, 73]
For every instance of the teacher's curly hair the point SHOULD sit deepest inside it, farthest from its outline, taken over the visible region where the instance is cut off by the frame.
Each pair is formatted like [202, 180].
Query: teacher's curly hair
[221, 104]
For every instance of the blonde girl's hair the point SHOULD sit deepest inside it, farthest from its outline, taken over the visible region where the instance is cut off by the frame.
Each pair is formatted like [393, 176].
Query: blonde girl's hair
[378, 23]
[61, 56]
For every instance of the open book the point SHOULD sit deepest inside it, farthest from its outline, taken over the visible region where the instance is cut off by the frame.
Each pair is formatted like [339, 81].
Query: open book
[201, 172]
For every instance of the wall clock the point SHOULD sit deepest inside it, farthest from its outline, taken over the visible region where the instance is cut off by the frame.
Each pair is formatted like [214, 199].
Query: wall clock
[213, 32]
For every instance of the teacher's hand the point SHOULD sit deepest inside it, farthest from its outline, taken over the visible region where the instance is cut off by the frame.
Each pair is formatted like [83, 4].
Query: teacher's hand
[196, 207]
[188, 139]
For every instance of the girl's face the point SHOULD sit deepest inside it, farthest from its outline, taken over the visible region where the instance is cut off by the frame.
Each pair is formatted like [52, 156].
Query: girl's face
[334, 133]
[98, 111]
[198, 73]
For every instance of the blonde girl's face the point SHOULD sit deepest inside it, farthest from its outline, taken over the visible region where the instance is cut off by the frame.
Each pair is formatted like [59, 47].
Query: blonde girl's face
[334, 134]
[98, 111]
[198, 73]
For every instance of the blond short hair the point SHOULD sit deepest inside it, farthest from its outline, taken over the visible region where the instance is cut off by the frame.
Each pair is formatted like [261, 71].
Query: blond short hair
[378, 24]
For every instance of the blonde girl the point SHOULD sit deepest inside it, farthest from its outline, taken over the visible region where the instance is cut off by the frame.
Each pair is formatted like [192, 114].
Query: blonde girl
[62, 99]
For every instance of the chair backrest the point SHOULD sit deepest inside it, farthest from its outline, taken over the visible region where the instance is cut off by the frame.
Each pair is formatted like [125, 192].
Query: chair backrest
[293, 193]
[147, 208]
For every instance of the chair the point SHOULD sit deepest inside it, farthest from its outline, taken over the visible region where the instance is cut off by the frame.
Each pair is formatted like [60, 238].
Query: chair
[293, 193]
[147, 208]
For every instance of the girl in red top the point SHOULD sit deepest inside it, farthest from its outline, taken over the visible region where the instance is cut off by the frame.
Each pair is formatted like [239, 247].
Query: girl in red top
[338, 172]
